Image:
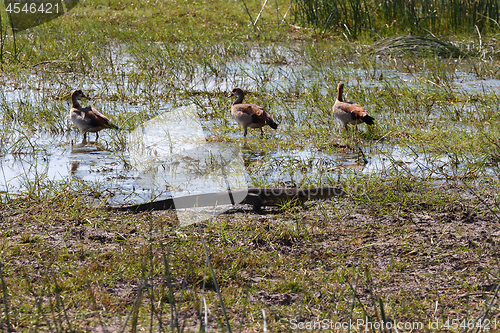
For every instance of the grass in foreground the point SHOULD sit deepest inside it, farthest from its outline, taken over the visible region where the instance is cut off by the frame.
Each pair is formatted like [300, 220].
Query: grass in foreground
[393, 250]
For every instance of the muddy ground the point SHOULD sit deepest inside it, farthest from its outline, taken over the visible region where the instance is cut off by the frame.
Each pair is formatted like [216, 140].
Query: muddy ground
[337, 260]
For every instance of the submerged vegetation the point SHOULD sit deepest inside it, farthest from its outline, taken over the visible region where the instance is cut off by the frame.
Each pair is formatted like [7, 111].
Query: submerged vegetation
[415, 240]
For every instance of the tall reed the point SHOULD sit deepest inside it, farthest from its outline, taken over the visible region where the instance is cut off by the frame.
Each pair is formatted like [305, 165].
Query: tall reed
[398, 16]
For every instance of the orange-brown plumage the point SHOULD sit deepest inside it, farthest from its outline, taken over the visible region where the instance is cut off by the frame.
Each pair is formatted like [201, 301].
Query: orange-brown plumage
[250, 115]
[350, 113]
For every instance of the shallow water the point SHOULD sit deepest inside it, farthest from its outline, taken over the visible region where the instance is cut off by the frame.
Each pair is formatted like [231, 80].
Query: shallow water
[169, 156]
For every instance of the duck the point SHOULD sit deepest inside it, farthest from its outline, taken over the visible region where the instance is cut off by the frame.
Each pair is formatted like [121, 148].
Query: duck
[250, 115]
[87, 119]
[348, 112]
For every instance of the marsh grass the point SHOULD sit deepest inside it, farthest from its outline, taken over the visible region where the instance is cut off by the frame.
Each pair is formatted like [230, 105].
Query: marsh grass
[355, 17]
[409, 239]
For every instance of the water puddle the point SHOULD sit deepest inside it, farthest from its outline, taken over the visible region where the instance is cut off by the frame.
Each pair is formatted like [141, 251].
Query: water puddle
[302, 168]
[168, 156]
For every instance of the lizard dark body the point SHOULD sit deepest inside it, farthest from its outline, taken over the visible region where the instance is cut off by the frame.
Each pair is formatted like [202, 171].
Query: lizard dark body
[257, 197]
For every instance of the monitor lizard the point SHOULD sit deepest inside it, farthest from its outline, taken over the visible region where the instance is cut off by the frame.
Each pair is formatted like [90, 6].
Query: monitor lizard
[257, 197]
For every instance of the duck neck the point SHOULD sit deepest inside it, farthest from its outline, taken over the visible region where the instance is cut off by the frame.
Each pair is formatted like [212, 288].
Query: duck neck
[340, 93]
[74, 100]
[239, 98]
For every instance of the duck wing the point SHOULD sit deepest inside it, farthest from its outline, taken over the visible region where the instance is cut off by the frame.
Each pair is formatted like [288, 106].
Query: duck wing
[256, 112]
[96, 118]
[355, 110]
